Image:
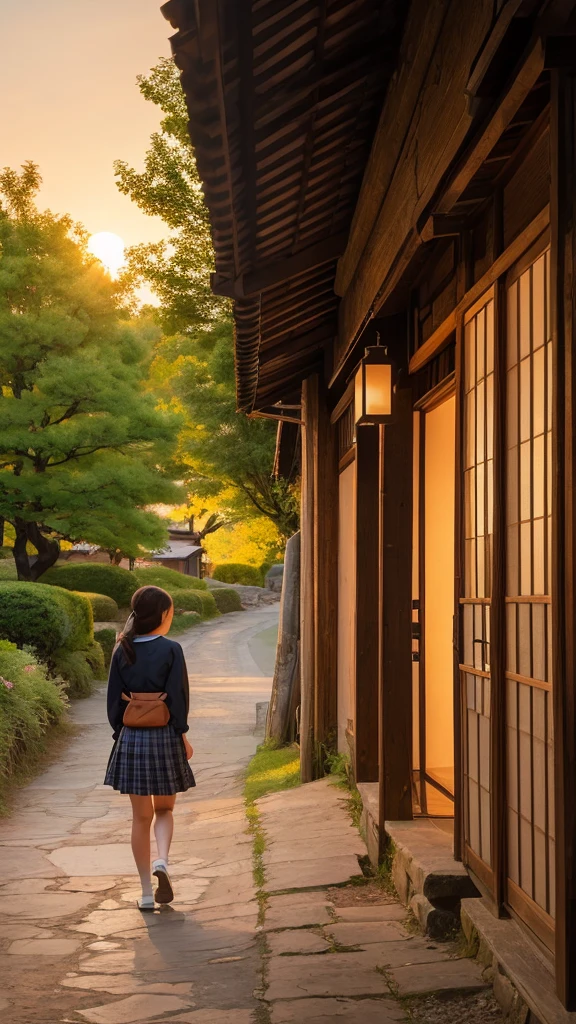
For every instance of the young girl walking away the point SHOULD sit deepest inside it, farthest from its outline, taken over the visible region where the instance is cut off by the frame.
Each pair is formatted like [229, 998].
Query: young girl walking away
[148, 710]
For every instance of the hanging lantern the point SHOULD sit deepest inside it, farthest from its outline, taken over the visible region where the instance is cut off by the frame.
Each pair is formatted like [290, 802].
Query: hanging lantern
[374, 388]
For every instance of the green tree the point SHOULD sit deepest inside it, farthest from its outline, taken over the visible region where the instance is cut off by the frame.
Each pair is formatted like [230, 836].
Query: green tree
[224, 454]
[227, 456]
[81, 439]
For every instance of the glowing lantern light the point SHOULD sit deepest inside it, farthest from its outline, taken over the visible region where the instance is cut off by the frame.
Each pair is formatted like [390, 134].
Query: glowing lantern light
[374, 387]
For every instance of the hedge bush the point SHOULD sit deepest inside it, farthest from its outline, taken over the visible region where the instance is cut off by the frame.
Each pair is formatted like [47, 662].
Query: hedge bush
[32, 614]
[209, 606]
[104, 609]
[184, 621]
[168, 579]
[94, 578]
[79, 611]
[107, 640]
[187, 601]
[236, 572]
[227, 600]
[29, 704]
[6, 553]
[8, 571]
[79, 668]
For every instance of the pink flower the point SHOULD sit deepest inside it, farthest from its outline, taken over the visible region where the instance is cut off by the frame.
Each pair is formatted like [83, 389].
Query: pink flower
[6, 683]
[29, 668]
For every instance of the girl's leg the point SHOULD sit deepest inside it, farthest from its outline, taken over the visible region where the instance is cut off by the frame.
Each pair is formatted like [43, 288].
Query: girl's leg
[163, 824]
[142, 816]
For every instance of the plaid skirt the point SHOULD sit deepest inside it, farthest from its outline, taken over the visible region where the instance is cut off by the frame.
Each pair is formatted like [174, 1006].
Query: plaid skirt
[149, 762]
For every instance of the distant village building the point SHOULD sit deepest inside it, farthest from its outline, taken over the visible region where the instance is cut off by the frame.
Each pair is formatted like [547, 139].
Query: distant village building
[182, 553]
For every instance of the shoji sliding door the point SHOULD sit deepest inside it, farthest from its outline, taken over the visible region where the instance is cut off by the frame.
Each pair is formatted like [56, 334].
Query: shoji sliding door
[478, 468]
[529, 763]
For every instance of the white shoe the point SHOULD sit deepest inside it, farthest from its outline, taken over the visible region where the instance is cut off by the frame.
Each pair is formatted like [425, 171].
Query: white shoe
[164, 893]
[146, 903]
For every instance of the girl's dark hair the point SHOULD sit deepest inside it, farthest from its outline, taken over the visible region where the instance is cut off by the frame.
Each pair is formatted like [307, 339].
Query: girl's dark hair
[148, 605]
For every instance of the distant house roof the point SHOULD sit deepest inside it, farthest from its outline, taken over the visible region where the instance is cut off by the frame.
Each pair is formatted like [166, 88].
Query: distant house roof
[177, 549]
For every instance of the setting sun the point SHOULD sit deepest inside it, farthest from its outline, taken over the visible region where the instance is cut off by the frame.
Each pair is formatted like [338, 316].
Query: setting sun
[109, 249]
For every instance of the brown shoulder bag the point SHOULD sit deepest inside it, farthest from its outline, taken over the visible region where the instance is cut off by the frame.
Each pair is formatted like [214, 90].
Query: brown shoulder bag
[146, 710]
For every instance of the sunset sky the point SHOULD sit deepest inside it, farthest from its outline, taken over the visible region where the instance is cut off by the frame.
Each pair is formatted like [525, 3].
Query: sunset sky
[71, 104]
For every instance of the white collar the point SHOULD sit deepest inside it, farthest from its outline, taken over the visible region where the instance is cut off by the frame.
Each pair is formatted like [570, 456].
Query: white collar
[144, 639]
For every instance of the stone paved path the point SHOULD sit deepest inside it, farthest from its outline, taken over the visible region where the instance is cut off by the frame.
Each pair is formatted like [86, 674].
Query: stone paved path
[73, 945]
[328, 961]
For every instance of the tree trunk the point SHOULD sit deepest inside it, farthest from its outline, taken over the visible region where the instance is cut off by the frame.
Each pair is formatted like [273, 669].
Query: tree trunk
[280, 725]
[47, 548]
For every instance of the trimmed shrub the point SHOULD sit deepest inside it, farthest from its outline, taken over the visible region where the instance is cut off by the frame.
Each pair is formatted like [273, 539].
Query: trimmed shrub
[107, 640]
[227, 600]
[187, 601]
[79, 611]
[6, 553]
[8, 571]
[80, 668]
[209, 606]
[235, 572]
[29, 704]
[32, 614]
[94, 578]
[168, 579]
[104, 609]
[184, 621]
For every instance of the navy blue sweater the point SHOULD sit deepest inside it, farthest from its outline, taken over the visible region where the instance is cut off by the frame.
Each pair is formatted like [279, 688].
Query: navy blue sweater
[159, 668]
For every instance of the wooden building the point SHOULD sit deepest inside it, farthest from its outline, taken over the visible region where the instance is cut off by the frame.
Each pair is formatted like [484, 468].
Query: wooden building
[404, 173]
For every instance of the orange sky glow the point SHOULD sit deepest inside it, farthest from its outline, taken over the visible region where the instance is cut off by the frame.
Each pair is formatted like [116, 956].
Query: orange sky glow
[71, 104]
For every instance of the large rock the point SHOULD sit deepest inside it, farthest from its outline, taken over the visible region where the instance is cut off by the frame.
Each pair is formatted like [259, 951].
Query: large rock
[274, 578]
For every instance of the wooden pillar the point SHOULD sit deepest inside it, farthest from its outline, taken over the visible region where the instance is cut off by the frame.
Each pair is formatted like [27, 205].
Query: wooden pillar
[563, 312]
[325, 584]
[395, 633]
[319, 582]
[367, 593]
[307, 624]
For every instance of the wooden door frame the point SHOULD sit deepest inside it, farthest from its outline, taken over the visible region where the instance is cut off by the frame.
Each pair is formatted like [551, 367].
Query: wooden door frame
[444, 391]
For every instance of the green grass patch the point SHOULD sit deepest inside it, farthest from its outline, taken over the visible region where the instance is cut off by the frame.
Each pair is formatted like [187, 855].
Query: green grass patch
[271, 770]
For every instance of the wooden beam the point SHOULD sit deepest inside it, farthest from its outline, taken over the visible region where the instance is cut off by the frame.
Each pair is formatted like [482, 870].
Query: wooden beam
[395, 618]
[307, 604]
[443, 225]
[434, 344]
[493, 44]
[367, 591]
[489, 134]
[266, 276]
[563, 312]
[394, 239]
[439, 338]
[423, 26]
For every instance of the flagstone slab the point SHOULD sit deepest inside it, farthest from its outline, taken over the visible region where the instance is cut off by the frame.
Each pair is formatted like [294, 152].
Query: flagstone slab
[404, 952]
[300, 916]
[365, 932]
[452, 976]
[297, 941]
[215, 1017]
[346, 1011]
[23, 931]
[43, 947]
[107, 859]
[380, 912]
[336, 974]
[44, 905]
[310, 874]
[26, 862]
[110, 963]
[139, 1008]
[123, 984]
